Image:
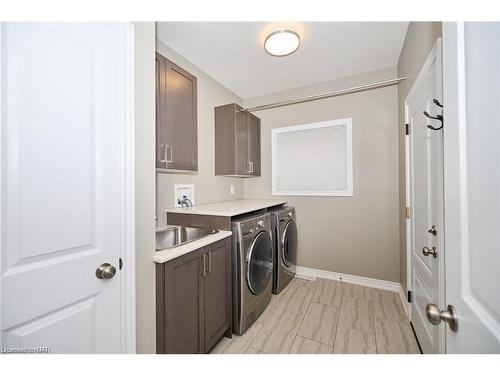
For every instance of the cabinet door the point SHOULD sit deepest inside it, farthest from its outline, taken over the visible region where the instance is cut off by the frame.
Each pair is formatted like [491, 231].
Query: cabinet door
[183, 305]
[181, 118]
[217, 292]
[253, 144]
[161, 129]
[241, 143]
[225, 141]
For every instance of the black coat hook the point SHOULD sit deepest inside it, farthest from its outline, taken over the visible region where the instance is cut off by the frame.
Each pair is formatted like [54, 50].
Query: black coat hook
[438, 117]
[436, 102]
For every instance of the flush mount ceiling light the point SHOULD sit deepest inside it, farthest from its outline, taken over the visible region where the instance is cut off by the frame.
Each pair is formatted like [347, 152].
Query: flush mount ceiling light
[282, 42]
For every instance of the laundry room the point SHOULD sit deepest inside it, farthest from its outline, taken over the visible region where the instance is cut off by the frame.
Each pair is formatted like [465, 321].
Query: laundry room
[315, 182]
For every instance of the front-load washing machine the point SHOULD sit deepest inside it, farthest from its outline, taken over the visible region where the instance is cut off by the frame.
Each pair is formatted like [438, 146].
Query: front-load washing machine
[284, 232]
[252, 269]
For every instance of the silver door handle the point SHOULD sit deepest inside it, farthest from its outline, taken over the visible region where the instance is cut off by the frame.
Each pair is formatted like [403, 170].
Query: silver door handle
[209, 262]
[105, 271]
[436, 316]
[249, 168]
[426, 251]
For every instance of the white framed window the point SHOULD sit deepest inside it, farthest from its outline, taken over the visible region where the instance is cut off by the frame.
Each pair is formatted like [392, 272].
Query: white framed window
[313, 159]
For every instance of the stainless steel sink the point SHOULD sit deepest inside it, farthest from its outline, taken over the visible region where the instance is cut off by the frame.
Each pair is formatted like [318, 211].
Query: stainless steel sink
[176, 236]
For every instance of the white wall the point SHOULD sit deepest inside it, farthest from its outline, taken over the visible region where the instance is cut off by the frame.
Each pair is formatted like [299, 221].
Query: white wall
[208, 187]
[145, 185]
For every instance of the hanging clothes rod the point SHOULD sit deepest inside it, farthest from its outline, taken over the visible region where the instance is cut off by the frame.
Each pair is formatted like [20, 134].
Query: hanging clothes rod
[330, 94]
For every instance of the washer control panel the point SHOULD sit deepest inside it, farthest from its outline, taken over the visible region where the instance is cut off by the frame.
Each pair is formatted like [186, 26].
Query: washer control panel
[254, 225]
[286, 214]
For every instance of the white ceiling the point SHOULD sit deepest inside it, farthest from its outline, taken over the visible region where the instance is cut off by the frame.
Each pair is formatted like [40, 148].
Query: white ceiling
[233, 53]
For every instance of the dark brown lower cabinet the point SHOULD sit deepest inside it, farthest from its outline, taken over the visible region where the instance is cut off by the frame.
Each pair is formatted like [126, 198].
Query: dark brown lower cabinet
[193, 300]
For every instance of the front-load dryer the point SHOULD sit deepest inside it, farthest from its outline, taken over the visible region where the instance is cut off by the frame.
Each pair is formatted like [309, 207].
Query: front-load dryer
[284, 232]
[252, 269]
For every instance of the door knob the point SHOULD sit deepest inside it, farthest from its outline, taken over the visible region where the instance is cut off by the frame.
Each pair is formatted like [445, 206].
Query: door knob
[426, 251]
[433, 230]
[105, 271]
[436, 316]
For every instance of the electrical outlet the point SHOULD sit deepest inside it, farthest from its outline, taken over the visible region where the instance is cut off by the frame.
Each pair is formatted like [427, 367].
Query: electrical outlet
[181, 191]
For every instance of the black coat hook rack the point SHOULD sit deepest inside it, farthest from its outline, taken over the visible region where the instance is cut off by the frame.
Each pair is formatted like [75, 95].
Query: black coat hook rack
[437, 117]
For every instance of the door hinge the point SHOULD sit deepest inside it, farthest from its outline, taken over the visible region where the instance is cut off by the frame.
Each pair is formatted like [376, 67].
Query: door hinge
[408, 212]
[409, 296]
[120, 263]
[407, 129]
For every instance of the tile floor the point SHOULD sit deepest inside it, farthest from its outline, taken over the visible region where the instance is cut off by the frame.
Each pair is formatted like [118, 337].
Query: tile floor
[324, 317]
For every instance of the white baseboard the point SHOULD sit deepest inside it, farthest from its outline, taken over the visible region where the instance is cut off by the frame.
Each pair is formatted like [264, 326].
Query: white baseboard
[313, 273]
[404, 301]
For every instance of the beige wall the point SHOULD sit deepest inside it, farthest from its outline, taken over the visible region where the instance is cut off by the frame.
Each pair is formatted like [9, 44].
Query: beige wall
[145, 185]
[420, 39]
[356, 235]
[208, 187]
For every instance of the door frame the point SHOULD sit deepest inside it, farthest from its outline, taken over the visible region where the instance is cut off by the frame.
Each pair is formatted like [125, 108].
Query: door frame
[127, 307]
[434, 54]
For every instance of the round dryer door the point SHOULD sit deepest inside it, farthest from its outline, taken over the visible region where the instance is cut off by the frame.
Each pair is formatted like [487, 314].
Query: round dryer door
[260, 263]
[289, 244]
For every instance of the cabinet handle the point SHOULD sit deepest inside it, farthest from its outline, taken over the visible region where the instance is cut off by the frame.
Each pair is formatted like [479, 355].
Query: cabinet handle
[171, 154]
[248, 167]
[164, 158]
[251, 164]
[209, 262]
[165, 153]
[204, 272]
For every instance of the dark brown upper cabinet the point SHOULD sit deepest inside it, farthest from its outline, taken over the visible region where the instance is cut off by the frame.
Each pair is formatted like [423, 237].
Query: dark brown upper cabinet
[176, 117]
[194, 300]
[237, 142]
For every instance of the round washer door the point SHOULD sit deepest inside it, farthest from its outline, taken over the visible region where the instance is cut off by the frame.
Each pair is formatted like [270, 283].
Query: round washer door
[259, 263]
[289, 244]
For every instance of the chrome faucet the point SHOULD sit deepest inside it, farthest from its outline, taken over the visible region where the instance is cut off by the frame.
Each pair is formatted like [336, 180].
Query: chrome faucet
[185, 202]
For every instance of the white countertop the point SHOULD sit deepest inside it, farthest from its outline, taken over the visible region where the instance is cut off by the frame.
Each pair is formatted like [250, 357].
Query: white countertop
[163, 256]
[227, 208]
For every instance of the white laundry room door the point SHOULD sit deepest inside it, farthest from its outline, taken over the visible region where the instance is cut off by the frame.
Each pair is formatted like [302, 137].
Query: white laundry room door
[425, 199]
[66, 178]
[471, 88]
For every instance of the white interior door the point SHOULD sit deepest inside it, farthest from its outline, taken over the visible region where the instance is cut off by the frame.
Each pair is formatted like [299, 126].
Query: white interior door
[471, 62]
[426, 200]
[65, 177]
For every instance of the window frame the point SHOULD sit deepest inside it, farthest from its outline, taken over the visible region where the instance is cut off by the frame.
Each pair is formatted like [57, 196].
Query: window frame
[344, 123]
